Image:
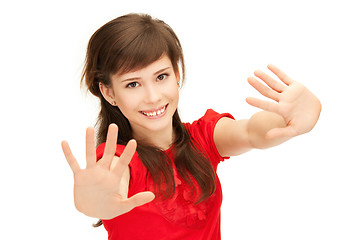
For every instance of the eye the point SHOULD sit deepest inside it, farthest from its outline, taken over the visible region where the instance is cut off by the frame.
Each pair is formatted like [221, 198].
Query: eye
[132, 85]
[162, 77]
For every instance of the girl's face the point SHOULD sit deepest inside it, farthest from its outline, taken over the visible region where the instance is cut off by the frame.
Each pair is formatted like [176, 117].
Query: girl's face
[147, 97]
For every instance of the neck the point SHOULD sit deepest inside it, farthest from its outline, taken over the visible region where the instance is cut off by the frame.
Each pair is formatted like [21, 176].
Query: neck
[162, 139]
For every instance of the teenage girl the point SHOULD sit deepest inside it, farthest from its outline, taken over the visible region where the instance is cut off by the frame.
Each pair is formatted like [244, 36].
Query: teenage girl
[152, 176]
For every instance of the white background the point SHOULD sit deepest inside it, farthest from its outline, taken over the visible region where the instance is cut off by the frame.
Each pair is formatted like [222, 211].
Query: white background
[303, 189]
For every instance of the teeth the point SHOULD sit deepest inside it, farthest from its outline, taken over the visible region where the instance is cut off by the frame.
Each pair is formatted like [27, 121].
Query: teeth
[152, 114]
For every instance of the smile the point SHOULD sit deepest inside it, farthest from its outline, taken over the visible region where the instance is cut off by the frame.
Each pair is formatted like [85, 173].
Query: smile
[155, 113]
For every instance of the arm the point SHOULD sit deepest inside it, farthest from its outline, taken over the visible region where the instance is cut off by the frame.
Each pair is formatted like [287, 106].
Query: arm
[294, 112]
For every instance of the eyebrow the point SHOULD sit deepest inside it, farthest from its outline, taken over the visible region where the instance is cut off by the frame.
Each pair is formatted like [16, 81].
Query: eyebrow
[136, 78]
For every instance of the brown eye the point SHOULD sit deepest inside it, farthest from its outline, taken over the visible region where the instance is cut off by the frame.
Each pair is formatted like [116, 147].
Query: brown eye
[132, 85]
[162, 77]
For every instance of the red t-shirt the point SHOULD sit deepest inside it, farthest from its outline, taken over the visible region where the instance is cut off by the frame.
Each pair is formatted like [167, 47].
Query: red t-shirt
[178, 217]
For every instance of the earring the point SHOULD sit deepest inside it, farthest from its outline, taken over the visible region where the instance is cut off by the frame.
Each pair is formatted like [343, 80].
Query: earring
[113, 103]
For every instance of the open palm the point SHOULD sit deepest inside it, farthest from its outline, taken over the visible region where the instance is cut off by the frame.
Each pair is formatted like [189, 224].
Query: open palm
[293, 101]
[100, 190]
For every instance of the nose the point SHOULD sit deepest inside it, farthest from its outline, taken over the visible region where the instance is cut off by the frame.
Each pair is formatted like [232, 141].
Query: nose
[153, 94]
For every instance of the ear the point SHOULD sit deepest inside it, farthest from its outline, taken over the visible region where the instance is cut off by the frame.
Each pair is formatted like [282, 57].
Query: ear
[107, 93]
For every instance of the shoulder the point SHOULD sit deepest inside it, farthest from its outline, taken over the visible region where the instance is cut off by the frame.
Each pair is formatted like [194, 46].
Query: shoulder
[207, 122]
[211, 117]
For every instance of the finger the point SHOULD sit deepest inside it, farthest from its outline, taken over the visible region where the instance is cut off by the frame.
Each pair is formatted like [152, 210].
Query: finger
[281, 133]
[277, 86]
[70, 157]
[90, 147]
[265, 91]
[280, 74]
[125, 158]
[137, 200]
[264, 105]
[110, 146]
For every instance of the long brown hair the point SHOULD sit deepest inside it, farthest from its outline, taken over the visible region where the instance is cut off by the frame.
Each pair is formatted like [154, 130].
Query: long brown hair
[129, 43]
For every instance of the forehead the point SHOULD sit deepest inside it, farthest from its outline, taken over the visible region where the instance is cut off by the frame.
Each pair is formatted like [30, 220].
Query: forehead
[161, 63]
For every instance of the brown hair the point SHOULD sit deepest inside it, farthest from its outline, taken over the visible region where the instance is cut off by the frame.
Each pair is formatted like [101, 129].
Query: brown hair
[129, 43]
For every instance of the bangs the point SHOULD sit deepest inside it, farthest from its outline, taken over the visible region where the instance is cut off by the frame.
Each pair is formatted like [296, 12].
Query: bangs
[141, 50]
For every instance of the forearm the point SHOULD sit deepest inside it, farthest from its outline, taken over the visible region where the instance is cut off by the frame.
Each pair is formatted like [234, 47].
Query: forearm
[259, 125]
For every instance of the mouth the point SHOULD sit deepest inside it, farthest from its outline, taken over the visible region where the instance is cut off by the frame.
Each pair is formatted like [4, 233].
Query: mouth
[156, 113]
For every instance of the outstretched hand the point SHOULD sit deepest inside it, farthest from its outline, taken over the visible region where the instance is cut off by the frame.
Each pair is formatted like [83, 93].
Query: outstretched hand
[293, 101]
[99, 189]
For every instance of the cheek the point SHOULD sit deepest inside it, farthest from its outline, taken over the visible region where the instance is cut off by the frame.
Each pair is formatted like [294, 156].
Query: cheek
[177, 95]
[126, 103]
[176, 92]
[173, 92]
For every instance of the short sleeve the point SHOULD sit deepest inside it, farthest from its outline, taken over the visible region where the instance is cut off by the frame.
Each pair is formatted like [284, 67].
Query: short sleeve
[202, 132]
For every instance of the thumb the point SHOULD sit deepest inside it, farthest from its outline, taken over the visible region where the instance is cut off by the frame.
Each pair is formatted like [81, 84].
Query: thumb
[137, 200]
[281, 133]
